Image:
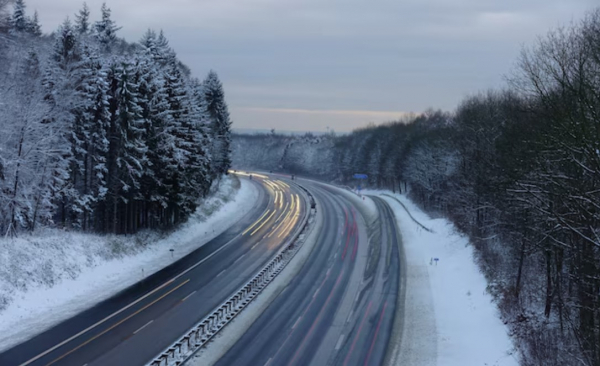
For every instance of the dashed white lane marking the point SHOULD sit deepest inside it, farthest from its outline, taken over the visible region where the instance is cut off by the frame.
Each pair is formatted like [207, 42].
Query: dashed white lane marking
[220, 273]
[144, 326]
[254, 246]
[188, 296]
[339, 342]
[297, 321]
[269, 361]
[239, 259]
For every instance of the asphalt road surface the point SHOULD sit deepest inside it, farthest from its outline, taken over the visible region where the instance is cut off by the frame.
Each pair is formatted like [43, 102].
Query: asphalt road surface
[339, 310]
[140, 322]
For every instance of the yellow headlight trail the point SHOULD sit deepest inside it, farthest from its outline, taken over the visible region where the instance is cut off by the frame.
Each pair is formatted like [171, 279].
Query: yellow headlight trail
[288, 218]
[283, 183]
[285, 211]
[256, 222]
[292, 220]
[264, 222]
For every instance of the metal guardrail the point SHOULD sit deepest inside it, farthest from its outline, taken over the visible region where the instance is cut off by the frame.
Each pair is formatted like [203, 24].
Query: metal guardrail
[200, 334]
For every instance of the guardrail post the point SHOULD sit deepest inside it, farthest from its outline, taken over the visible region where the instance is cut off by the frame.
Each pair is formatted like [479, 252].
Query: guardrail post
[221, 313]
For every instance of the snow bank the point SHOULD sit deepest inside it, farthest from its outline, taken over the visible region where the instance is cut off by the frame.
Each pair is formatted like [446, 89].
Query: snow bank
[54, 275]
[449, 318]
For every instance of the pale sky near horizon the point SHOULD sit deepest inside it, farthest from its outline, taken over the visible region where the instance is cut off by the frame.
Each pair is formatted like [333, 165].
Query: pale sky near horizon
[310, 65]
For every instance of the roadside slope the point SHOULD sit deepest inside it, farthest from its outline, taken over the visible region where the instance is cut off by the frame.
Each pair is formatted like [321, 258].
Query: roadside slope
[449, 318]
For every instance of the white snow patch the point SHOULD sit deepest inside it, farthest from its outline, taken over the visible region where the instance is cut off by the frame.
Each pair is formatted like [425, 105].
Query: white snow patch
[466, 323]
[49, 277]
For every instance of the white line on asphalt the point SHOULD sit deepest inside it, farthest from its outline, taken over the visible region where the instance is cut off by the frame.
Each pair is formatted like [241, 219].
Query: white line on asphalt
[220, 273]
[144, 326]
[240, 258]
[339, 342]
[254, 246]
[188, 296]
[349, 315]
[297, 321]
[269, 361]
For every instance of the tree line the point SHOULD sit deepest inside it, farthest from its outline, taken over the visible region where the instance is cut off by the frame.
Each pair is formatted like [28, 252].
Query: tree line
[99, 134]
[518, 170]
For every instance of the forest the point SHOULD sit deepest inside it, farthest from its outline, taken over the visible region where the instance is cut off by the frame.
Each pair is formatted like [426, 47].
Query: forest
[99, 134]
[517, 170]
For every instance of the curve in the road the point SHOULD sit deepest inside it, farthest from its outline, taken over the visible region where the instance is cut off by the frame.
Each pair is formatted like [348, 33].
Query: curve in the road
[312, 322]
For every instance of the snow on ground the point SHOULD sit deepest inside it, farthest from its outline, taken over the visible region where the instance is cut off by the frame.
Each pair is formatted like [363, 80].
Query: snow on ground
[449, 317]
[53, 275]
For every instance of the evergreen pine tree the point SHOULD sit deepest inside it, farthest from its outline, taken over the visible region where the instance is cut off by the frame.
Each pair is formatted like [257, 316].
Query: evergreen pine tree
[18, 20]
[106, 29]
[82, 20]
[65, 47]
[33, 25]
[220, 124]
[148, 42]
[164, 54]
[93, 115]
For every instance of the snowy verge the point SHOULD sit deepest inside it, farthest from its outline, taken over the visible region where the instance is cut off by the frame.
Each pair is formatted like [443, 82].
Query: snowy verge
[449, 318]
[53, 275]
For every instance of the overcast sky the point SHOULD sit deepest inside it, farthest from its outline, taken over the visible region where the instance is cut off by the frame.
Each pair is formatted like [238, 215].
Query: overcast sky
[312, 64]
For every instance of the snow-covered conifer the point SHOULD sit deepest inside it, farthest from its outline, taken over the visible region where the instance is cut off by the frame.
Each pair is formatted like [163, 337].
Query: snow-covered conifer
[220, 125]
[33, 25]
[18, 20]
[82, 20]
[106, 29]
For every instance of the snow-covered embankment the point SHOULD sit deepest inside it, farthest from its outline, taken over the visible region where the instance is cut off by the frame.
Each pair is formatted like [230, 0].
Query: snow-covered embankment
[449, 318]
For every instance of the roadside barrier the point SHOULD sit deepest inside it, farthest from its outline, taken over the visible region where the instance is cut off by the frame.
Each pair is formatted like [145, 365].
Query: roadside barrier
[200, 334]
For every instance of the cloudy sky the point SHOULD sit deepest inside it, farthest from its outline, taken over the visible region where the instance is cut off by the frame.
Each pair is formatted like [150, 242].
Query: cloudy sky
[312, 64]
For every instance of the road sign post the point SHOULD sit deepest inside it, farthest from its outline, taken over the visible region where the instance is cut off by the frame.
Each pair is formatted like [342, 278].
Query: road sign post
[360, 177]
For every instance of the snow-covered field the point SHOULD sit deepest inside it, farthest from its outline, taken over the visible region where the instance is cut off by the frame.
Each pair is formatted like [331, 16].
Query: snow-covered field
[53, 275]
[450, 319]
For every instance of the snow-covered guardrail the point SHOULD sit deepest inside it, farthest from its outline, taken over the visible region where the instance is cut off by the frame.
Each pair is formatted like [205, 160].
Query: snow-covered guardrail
[200, 334]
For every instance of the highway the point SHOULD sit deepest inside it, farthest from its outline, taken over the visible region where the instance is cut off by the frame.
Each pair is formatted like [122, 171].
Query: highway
[340, 308]
[137, 324]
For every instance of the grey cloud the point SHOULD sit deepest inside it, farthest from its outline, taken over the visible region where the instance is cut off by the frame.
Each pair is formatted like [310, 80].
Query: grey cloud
[403, 55]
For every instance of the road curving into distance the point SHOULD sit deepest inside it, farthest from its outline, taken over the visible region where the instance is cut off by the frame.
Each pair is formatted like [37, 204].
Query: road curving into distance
[137, 324]
[340, 308]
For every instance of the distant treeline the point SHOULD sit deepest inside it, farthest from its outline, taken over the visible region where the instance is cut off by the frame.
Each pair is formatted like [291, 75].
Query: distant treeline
[517, 170]
[99, 134]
